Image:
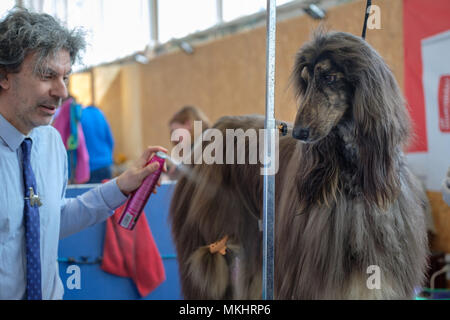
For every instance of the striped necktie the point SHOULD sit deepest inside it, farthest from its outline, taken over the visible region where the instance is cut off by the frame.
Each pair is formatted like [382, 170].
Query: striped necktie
[32, 226]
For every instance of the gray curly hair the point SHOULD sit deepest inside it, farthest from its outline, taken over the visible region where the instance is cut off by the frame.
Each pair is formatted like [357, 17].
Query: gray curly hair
[23, 32]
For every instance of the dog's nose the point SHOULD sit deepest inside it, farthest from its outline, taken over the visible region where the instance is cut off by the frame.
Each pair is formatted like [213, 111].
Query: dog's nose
[300, 133]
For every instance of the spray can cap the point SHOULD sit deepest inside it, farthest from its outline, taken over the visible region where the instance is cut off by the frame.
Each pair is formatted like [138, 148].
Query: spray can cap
[161, 155]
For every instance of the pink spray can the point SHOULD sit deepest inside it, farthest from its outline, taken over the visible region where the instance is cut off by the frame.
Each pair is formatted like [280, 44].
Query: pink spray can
[139, 198]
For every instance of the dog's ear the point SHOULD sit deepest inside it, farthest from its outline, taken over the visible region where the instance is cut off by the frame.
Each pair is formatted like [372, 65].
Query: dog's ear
[296, 79]
[381, 123]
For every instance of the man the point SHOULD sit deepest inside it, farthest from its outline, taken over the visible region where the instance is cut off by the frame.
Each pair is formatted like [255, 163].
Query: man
[36, 55]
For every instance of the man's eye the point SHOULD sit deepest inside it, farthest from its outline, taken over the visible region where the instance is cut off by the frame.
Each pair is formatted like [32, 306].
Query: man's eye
[330, 79]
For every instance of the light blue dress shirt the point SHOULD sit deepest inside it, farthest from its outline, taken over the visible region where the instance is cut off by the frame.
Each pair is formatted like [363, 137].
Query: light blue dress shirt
[59, 217]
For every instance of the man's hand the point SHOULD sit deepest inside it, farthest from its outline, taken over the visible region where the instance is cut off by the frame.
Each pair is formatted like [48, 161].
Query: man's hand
[133, 177]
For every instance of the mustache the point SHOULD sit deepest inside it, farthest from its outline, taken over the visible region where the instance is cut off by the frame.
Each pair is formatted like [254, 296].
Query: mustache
[53, 102]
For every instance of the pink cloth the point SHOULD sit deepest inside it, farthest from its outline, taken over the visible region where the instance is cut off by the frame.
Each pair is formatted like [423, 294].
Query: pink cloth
[62, 124]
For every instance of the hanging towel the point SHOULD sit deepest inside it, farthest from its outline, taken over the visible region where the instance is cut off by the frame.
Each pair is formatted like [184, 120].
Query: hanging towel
[65, 122]
[133, 253]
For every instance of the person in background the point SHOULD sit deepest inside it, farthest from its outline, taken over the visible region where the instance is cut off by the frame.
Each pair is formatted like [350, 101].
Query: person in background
[99, 143]
[184, 119]
[36, 58]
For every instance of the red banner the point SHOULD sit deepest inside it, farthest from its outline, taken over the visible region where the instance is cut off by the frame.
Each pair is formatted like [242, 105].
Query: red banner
[421, 19]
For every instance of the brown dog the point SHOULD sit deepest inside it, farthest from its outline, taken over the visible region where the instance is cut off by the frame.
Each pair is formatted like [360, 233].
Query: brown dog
[346, 203]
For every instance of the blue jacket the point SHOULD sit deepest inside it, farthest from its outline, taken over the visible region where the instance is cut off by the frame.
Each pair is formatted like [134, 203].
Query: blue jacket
[99, 139]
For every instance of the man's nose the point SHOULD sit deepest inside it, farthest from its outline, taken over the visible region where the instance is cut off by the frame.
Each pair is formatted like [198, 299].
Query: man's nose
[59, 89]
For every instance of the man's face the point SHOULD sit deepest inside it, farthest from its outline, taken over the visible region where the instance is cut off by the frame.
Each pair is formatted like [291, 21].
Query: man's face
[29, 99]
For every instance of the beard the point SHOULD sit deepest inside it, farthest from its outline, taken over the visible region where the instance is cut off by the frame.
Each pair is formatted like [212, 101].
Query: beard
[40, 114]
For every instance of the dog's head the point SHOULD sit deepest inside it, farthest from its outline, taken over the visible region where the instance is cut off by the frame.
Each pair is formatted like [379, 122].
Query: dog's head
[323, 88]
[325, 96]
[340, 77]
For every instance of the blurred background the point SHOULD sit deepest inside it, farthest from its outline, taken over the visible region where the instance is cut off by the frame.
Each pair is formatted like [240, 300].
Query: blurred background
[147, 59]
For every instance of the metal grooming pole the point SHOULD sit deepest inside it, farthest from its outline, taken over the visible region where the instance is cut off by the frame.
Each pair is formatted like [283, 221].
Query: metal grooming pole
[269, 179]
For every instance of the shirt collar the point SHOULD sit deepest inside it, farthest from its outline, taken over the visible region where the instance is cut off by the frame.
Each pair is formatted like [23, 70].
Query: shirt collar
[12, 137]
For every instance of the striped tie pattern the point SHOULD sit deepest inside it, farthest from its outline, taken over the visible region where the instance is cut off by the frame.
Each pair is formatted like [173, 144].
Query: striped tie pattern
[32, 226]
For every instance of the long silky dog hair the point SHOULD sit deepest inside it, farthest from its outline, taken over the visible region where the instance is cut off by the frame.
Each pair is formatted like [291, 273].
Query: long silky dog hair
[349, 213]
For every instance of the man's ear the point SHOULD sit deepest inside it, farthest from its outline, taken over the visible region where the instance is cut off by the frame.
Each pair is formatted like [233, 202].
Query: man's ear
[4, 80]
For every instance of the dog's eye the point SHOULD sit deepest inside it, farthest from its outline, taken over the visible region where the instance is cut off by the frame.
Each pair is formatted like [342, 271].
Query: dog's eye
[330, 79]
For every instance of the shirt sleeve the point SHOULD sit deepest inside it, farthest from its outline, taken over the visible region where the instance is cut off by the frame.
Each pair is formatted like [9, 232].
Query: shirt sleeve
[92, 207]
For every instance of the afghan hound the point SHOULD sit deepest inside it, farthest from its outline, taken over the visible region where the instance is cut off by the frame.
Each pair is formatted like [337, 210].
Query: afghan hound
[346, 202]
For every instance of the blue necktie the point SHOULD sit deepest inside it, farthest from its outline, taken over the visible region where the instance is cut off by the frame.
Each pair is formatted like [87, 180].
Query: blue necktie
[32, 233]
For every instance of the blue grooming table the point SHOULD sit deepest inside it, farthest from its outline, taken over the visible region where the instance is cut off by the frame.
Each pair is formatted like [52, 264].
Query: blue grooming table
[88, 245]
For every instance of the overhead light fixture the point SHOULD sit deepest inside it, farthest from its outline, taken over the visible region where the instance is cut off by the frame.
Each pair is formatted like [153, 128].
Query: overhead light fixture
[186, 47]
[141, 58]
[314, 11]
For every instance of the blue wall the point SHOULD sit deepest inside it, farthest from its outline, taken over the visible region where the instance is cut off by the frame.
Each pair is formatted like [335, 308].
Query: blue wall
[97, 284]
